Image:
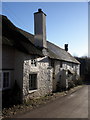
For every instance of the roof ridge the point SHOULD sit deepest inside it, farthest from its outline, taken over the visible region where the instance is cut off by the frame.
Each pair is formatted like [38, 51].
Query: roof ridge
[56, 45]
[25, 31]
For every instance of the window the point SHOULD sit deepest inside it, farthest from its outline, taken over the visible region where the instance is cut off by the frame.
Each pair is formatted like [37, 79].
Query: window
[33, 62]
[60, 63]
[72, 65]
[0, 80]
[4, 79]
[52, 63]
[32, 81]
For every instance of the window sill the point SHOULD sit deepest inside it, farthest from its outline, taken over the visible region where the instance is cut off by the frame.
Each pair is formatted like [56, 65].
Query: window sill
[31, 91]
[4, 89]
[33, 66]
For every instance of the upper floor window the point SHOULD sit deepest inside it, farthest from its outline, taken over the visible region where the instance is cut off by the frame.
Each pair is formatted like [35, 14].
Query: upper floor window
[34, 62]
[4, 79]
[72, 65]
[52, 63]
[60, 63]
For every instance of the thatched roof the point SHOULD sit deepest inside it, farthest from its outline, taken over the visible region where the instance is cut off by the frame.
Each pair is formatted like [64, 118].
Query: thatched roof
[13, 37]
[24, 41]
[54, 52]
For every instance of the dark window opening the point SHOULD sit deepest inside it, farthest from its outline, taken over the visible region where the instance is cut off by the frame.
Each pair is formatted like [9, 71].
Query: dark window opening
[34, 62]
[72, 65]
[60, 63]
[32, 81]
[5, 79]
[0, 80]
[52, 63]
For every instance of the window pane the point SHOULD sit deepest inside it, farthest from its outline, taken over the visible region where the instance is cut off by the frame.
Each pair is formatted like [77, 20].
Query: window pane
[60, 63]
[32, 81]
[33, 62]
[5, 79]
[0, 79]
[52, 63]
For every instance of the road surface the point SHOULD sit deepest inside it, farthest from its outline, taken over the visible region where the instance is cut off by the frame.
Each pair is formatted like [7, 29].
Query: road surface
[74, 105]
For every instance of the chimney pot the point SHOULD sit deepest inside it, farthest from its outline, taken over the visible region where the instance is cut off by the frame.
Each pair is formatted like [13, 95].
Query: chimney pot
[66, 47]
[39, 10]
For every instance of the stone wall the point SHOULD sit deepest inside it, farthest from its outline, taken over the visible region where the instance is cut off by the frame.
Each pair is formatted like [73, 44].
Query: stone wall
[47, 76]
[44, 78]
[20, 67]
[60, 74]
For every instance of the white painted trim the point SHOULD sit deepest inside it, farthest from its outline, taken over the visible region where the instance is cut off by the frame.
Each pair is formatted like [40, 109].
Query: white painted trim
[31, 91]
[33, 72]
[1, 80]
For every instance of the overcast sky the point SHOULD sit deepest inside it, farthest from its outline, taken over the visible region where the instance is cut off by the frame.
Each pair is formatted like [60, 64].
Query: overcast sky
[66, 22]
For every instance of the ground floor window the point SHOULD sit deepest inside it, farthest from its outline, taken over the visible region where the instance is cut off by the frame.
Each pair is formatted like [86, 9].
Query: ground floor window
[32, 81]
[4, 79]
[0, 80]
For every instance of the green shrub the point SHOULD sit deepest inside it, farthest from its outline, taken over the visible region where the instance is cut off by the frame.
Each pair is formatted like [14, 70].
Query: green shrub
[78, 82]
[12, 96]
[71, 85]
[59, 88]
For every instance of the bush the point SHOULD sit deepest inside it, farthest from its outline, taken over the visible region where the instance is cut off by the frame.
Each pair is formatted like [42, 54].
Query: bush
[60, 88]
[78, 82]
[71, 85]
[12, 96]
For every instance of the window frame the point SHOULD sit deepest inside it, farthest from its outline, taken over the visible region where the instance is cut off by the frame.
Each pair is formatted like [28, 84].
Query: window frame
[52, 63]
[34, 62]
[2, 80]
[34, 87]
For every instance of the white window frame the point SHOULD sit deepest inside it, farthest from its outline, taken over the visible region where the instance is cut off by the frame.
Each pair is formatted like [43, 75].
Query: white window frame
[1, 80]
[2, 75]
[36, 82]
[34, 62]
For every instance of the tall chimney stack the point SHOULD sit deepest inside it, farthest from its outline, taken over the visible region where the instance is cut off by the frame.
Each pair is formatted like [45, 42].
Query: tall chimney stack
[66, 47]
[40, 29]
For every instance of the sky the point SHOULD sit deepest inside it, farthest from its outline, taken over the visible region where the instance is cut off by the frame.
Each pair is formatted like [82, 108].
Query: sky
[66, 22]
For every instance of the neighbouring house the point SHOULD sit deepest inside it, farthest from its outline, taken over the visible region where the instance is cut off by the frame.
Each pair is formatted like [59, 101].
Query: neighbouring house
[38, 66]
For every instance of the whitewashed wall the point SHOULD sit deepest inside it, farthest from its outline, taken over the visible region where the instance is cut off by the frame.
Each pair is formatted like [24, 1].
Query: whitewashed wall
[8, 60]
[21, 65]
[60, 73]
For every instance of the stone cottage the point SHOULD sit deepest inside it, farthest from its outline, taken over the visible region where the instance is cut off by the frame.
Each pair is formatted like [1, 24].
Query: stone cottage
[35, 64]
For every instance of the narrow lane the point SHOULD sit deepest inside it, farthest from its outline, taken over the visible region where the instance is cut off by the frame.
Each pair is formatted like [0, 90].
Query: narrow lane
[74, 105]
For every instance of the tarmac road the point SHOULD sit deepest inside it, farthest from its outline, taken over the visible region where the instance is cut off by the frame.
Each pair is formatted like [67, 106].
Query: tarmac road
[74, 105]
